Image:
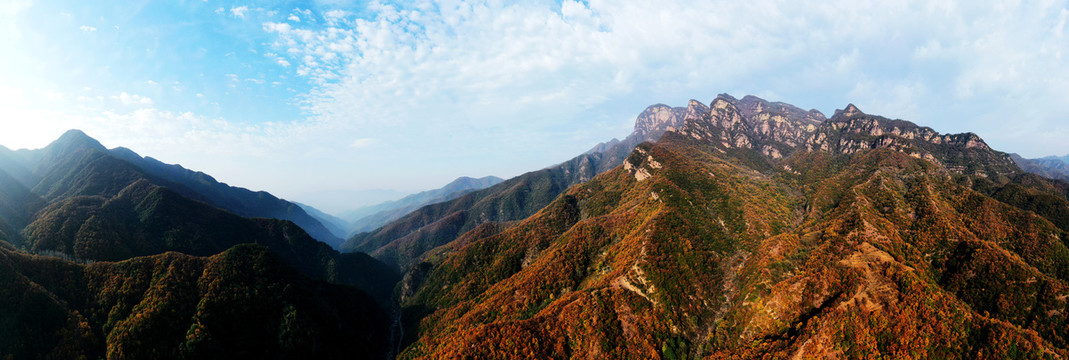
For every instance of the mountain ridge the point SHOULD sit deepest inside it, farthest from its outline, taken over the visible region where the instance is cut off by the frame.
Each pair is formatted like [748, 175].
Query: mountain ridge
[89, 205]
[868, 236]
[1053, 167]
[238, 200]
[385, 212]
[404, 239]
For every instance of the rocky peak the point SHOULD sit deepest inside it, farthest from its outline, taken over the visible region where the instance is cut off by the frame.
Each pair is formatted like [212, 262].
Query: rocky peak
[968, 140]
[70, 142]
[724, 102]
[848, 112]
[657, 118]
[816, 115]
[76, 138]
[722, 123]
[752, 107]
[695, 110]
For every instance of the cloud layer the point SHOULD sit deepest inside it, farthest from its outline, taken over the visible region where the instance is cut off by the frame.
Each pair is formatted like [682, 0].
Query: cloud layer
[533, 66]
[411, 95]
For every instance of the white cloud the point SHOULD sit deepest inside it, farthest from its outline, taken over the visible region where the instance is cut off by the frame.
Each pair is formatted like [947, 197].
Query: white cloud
[132, 99]
[363, 142]
[470, 87]
[335, 17]
[534, 66]
[239, 11]
[87, 28]
[297, 14]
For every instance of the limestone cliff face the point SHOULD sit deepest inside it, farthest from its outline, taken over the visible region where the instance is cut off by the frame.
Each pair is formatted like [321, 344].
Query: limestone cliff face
[779, 122]
[656, 119]
[777, 130]
[720, 123]
[850, 130]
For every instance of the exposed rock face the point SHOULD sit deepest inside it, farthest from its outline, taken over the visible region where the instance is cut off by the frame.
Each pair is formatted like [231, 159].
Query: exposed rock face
[850, 130]
[695, 110]
[777, 130]
[779, 122]
[722, 124]
[657, 118]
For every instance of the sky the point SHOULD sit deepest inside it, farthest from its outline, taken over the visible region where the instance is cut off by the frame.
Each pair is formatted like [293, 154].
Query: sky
[329, 102]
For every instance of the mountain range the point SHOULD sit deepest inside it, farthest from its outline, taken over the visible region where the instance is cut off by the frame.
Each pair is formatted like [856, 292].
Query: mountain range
[738, 228]
[1050, 166]
[750, 229]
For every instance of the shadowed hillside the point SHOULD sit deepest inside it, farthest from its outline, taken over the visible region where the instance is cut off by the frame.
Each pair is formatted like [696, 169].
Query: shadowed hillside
[242, 303]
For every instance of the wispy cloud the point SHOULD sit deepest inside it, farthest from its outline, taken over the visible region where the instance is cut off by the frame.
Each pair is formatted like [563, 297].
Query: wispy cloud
[363, 142]
[132, 99]
[239, 11]
[518, 64]
[87, 28]
[471, 87]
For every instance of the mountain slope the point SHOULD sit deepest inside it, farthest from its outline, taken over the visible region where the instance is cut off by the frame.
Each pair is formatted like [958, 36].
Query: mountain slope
[89, 205]
[244, 302]
[17, 205]
[144, 219]
[405, 239]
[334, 224]
[237, 200]
[76, 164]
[392, 210]
[13, 164]
[866, 236]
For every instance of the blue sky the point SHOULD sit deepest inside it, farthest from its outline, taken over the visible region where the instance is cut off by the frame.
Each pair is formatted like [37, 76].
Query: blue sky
[318, 100]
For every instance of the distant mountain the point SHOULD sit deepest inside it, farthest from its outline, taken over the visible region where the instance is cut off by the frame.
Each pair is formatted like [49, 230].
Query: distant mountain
[17, 205]
[404, 240]
[237, 200]
[242, 303]
[752, 230]
[334, 224]
[383, 213]
[341, 202]
[1051, 166]
[16, 167]
[602, 147]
